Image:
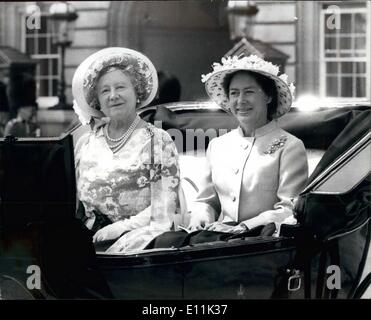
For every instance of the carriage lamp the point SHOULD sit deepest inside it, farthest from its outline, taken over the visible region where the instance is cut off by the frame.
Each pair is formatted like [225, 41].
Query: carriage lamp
[241, 16]
[63, 16]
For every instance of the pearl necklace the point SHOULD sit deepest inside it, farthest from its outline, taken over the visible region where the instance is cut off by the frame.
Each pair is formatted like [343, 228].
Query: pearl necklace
[123, 139]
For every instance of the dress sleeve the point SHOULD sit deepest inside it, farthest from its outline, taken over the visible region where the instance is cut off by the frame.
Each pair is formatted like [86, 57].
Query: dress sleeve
[77, 152]
[164, 177]
[87, 218]
[293, 177]
[207, 204]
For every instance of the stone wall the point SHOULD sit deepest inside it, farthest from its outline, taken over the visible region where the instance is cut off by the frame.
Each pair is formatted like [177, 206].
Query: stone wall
[90, 36]
[276, 24]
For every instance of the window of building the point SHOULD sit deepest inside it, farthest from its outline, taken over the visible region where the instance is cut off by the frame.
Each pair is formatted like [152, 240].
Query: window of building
[38, 44]
[345, 52]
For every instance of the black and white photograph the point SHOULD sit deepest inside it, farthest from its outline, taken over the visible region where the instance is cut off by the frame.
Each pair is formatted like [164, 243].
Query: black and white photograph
[195, 152]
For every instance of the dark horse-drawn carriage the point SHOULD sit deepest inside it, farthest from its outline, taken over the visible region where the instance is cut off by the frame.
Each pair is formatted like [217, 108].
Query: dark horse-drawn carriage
[45, 252]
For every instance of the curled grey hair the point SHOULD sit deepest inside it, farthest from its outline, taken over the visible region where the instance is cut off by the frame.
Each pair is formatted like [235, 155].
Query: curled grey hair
[132, 69]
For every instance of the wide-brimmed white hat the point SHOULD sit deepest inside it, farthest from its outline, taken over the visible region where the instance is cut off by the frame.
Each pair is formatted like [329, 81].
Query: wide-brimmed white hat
[84, 79]
[214, 80]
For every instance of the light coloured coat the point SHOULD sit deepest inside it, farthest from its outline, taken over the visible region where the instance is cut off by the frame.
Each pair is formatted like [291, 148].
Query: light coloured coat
[252, 180]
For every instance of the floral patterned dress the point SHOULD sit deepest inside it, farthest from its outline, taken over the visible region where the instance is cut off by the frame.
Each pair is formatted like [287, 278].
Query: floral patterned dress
[137, 185]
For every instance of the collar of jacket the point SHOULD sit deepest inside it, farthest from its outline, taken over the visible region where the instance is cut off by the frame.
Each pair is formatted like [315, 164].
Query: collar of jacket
[262, 131]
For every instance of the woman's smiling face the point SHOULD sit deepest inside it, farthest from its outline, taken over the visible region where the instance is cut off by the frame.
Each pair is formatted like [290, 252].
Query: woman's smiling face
[247, 100]
[116, 95]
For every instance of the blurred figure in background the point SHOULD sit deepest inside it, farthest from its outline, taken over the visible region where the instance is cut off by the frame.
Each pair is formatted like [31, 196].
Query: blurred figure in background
[4, 108]
[169, 89]
[25, 125]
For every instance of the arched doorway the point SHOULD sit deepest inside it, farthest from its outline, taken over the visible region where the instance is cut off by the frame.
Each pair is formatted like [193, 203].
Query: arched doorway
[183, 38]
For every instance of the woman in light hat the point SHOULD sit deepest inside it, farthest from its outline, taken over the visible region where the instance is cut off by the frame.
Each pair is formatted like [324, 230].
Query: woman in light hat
[256, 170]
[127, 169]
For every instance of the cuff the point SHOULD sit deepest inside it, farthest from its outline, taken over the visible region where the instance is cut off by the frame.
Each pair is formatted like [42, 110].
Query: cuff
[243, 225]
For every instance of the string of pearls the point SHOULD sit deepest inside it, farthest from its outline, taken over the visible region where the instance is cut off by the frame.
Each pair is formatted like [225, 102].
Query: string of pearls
[120, 141]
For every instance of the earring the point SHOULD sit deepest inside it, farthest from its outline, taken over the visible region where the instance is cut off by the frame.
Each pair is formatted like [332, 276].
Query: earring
[138, 100]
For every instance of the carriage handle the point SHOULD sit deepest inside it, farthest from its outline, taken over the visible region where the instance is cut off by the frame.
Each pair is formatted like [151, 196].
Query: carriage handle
[294, 280]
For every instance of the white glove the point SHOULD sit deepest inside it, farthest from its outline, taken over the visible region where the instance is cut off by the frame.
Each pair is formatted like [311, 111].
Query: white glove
[110, 232]
[201, 216]
[222, 227]
[198, 223]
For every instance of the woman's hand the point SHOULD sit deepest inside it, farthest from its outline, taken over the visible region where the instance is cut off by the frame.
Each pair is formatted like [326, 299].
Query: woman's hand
[201, 216]
[222, 227]
[198, 224]
[110, 232]
[119, 246]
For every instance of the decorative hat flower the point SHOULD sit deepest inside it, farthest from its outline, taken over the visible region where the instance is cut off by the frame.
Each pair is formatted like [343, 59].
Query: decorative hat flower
[214, 80]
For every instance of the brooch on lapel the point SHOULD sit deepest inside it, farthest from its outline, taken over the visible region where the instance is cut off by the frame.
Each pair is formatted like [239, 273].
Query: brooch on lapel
[276, 144]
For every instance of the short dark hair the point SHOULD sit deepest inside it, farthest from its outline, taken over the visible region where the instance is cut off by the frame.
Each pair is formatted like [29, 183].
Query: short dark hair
[266, 84]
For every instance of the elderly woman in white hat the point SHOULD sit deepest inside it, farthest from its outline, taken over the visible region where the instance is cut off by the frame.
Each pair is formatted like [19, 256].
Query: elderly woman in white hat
[127, 169]
[256, 170]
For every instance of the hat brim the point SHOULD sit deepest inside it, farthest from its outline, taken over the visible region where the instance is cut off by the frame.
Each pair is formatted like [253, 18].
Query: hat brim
[214, 89]
[79, 92]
